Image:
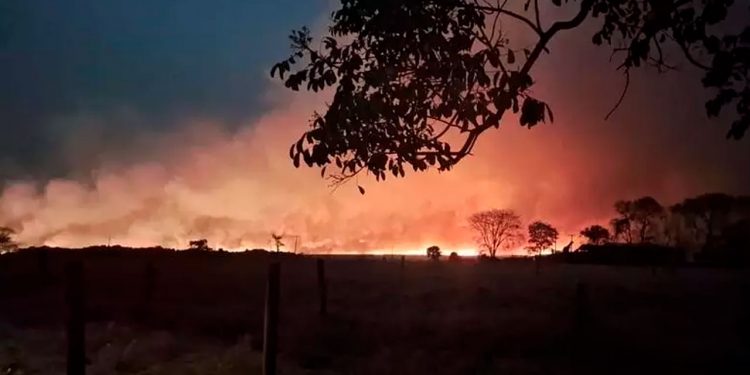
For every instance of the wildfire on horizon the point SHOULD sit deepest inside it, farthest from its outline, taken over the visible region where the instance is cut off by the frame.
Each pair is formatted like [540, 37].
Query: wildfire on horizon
[236, 187]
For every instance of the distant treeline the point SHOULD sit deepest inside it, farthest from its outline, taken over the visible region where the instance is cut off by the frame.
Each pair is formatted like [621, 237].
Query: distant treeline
[709, 229]
[42, 252]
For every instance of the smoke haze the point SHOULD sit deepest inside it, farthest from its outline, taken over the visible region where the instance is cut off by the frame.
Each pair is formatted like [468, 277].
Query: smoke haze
[229, 179]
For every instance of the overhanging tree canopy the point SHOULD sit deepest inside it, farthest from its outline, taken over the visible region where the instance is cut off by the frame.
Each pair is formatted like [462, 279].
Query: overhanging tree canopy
[409, 74]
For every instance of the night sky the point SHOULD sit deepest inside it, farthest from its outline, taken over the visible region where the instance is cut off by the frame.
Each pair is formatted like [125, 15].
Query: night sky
[130, 68]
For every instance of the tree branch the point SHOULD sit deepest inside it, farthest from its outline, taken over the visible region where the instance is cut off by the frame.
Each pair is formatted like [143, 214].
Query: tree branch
[690, 58]
[502, 10]
[622, 96]
[448, 125]
[544, 38]
[586, 6]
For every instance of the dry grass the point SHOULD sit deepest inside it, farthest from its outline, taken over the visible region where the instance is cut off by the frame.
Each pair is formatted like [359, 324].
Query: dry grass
[466, 318]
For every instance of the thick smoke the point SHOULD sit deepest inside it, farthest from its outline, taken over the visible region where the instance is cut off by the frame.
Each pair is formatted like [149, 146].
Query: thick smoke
[235, 188]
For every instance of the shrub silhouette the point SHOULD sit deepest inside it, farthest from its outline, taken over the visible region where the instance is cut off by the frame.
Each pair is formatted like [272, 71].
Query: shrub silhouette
[201, 245]
[433, 252]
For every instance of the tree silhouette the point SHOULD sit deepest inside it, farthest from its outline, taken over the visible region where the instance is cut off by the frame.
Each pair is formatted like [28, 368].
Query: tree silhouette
[541, 236]
[277, 241]
[454, 257]
[638, 219]
[596, 234]
[6, 239]
[416, 82]
[673, 231]
[496, 229]
[737, 234]
[433, 252]
[706, 215]
[621, 229]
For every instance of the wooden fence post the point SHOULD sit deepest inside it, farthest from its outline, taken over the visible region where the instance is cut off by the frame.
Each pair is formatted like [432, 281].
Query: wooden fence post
[76, 329]
[322, 287]
[271, 324]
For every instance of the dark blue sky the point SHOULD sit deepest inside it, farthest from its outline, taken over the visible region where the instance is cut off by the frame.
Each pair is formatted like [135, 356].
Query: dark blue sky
[164, 60]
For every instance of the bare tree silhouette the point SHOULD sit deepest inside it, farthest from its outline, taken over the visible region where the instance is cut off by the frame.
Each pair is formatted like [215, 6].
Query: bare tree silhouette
[417, 82]
[496, 229]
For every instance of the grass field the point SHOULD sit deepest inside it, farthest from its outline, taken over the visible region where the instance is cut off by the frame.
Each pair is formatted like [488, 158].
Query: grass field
[206, 313]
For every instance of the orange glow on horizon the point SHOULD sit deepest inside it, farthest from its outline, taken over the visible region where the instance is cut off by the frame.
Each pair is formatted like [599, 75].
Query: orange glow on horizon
[236, 188]
[464, 252]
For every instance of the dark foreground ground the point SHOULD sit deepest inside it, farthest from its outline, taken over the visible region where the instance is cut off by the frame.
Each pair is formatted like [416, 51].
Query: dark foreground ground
[206, 312]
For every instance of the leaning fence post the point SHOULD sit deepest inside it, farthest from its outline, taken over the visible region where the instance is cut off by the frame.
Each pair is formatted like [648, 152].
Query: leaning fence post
[322, 287]
[271, 324]
[76, 330]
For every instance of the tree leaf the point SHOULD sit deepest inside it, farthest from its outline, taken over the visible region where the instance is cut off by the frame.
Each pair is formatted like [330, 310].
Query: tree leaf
[296, 160]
